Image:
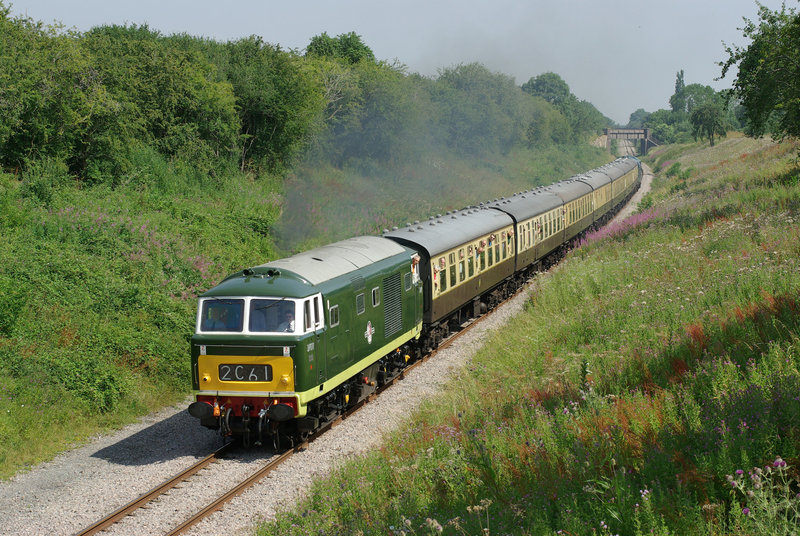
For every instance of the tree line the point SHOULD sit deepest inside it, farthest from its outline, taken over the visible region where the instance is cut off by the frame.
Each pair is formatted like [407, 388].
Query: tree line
[93, 102]
[696, 111]
[764, 99]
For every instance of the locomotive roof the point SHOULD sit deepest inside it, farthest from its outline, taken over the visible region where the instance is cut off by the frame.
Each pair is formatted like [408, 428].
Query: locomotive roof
[324, 263]
[443, 233]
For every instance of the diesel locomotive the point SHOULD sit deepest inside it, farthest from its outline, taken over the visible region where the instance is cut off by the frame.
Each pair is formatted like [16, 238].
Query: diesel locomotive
[282, 348]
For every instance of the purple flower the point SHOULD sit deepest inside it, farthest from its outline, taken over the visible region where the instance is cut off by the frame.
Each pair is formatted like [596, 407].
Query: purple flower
[739, 472]
[746, 511]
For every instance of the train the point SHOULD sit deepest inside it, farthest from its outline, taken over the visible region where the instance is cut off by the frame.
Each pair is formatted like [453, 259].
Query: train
[283, 348]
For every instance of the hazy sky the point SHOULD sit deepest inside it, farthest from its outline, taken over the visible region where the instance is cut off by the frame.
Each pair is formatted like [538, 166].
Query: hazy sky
[620, 55]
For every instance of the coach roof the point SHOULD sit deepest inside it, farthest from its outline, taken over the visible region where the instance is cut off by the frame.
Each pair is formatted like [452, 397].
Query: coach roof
[526, 205]
[445, 232]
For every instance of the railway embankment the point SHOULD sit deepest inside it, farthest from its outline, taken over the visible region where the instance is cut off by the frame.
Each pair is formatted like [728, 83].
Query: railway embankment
[648, 385]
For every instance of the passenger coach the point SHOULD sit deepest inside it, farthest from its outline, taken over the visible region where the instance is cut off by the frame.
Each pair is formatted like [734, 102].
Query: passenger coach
[463, 254]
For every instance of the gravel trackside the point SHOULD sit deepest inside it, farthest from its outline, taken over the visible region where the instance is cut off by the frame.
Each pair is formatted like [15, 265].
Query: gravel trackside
[82, 486]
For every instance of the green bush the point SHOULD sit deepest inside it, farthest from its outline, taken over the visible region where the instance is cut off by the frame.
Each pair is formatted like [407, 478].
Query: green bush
[41, 178]
[674, 169]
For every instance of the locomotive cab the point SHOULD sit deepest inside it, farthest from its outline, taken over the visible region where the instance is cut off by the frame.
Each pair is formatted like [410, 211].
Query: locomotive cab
[244, 354]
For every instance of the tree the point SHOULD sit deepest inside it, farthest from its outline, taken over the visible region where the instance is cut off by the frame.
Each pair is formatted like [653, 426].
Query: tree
[708, 121]
[277, 100]
[638, 118]
[170, 98]
[697, 94]
[483, 111]
[768, 78]
[678, 100]
[550, 87]
[347, 47]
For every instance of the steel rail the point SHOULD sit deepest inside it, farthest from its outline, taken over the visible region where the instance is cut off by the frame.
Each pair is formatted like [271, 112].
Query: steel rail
[253, 479]
[162, 488]
[236, 490]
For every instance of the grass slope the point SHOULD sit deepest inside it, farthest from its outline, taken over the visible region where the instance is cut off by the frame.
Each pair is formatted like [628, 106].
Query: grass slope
[652, 386]
[97, 294]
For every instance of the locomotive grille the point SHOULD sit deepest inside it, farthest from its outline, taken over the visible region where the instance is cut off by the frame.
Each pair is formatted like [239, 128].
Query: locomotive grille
[357, 282]
[392, 305]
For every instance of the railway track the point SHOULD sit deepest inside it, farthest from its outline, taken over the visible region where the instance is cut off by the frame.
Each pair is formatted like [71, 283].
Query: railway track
[273, 463]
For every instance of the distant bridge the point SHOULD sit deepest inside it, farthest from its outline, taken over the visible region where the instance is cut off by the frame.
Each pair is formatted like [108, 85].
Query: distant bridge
[642, 134]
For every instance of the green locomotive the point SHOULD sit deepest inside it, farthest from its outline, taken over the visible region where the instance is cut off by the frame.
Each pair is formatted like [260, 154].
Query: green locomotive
[281, 347]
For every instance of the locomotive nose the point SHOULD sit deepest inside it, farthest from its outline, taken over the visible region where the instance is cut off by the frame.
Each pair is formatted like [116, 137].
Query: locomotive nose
[201, 410]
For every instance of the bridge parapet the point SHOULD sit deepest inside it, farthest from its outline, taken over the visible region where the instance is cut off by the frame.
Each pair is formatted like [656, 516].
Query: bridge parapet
[642, 134]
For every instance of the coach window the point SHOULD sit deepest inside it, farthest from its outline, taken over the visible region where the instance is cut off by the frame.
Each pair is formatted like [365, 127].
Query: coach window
[360, 303]
[483, 260]
[471, 266]
[452, 275]
[443, 279]
[333, 315]
[462, 273]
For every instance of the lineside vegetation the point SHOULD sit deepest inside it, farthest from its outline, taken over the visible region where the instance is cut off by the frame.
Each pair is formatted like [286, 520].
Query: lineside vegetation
[650, 387]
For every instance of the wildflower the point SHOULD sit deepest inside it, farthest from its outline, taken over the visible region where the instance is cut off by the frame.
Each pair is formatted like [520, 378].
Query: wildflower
[746, 511]
[433, 525]
[739, 472]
